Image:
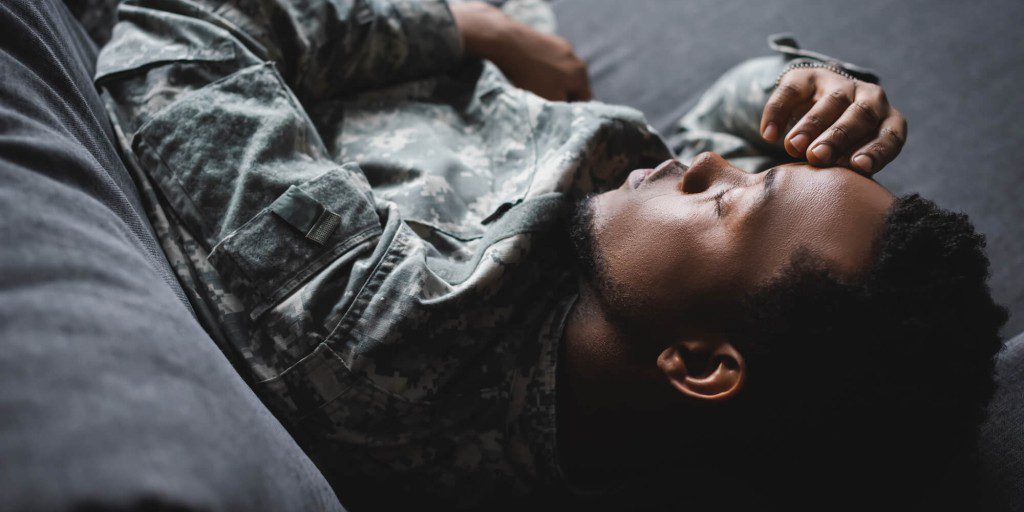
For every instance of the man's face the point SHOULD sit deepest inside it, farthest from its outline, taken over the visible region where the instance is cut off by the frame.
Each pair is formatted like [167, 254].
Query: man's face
[674, 241]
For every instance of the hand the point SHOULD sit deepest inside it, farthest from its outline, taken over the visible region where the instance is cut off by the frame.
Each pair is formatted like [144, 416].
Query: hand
[540, 63]
[841, 121]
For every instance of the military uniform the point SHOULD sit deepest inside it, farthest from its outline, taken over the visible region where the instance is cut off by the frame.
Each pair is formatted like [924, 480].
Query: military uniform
[371, 227]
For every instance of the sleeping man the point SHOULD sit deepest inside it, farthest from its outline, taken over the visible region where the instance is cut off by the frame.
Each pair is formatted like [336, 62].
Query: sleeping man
[453, 289]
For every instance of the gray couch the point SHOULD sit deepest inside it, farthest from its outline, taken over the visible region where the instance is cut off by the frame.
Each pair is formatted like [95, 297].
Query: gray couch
[112, 397]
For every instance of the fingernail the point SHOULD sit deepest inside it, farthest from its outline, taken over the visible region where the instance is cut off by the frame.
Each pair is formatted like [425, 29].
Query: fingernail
[770, 131]
[800, 142]
[823, 152]
[863, 162]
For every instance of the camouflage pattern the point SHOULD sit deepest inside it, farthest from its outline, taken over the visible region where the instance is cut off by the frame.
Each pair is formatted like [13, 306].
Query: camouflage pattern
[411, 337]
[727, 118]
[370, 227]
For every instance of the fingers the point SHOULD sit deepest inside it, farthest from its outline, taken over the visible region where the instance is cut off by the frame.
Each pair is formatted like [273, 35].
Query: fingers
[822, 115]
[841, 121]
[878, 152]
[860, 120]
[794, 89]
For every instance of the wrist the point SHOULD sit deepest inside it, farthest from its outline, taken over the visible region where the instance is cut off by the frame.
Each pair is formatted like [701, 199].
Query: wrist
[483, 29]
[808, 64]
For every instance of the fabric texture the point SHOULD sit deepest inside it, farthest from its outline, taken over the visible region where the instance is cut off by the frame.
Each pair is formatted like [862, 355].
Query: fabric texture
[1000, 461]
[112, 397]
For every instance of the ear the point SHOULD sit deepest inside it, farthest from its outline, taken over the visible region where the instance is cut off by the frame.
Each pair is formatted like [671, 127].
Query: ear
[704, 370]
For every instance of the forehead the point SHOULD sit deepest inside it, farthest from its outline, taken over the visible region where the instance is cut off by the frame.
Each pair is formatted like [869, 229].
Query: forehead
[831, 189]
[834, 211]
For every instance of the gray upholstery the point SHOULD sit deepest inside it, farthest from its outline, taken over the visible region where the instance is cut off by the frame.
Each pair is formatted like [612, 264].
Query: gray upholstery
[953, 67]
[1001, 440]
[111, 395]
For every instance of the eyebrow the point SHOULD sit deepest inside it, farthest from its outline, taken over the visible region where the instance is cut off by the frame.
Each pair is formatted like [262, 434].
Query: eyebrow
[769, 187]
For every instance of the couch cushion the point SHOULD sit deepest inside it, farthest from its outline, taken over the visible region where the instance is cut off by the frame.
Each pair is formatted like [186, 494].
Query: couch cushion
[111, 395]
[1001, 440]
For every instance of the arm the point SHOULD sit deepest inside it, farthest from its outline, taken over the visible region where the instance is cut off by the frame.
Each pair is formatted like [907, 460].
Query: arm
[218, 128]
[830, 116]
[326, 48]
[321, 48]
[173, 62]
[541, 63]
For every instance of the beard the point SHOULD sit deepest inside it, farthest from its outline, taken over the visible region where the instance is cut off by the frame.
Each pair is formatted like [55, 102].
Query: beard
[591, 263]
[584, 242]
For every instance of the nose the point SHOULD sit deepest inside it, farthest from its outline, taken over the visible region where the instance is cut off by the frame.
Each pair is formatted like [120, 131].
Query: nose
[707, 170]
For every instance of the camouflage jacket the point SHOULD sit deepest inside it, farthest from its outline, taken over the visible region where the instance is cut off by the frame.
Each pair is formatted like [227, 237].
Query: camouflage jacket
[369, 226]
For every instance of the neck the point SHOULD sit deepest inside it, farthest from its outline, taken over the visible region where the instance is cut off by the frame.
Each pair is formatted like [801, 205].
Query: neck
[604, 431]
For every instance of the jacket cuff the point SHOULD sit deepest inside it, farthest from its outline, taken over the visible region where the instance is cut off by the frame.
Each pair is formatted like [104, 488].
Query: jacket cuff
[433, 40]
[786, 44]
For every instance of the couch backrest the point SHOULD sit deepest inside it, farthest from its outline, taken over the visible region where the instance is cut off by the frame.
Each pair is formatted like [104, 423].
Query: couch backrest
[112, 397]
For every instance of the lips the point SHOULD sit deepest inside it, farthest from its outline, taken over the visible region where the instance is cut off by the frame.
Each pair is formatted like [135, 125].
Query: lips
[637, 177]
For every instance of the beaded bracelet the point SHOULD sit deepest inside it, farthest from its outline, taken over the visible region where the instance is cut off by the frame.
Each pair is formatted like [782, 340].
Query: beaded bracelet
[805, 64]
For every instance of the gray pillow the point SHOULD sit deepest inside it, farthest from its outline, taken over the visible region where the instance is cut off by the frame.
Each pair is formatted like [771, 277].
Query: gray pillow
[111, 395]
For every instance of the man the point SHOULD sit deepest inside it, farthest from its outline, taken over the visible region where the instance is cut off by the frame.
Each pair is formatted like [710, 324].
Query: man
[371, 221]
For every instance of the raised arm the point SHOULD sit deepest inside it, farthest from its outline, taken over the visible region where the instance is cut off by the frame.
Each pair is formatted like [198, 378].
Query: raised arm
[795, 106]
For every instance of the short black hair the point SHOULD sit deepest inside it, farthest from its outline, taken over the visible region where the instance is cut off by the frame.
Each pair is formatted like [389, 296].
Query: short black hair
[881, 369]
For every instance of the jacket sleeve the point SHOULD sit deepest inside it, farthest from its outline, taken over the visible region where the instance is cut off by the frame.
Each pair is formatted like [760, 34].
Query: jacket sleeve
[211, 95]
[207, 110]
[727, 117]
[322, 48]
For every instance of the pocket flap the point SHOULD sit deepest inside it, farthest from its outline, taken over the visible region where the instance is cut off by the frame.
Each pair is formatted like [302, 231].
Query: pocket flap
[306, 214]
[303, 230]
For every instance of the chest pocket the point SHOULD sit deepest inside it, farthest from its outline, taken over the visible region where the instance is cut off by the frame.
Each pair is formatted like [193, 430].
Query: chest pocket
[304, 229]
[223, 152]
[244, 170]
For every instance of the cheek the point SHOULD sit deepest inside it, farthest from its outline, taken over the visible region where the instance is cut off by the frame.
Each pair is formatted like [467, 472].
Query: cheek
[767, 242]
[761, 239]
[664, 249]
